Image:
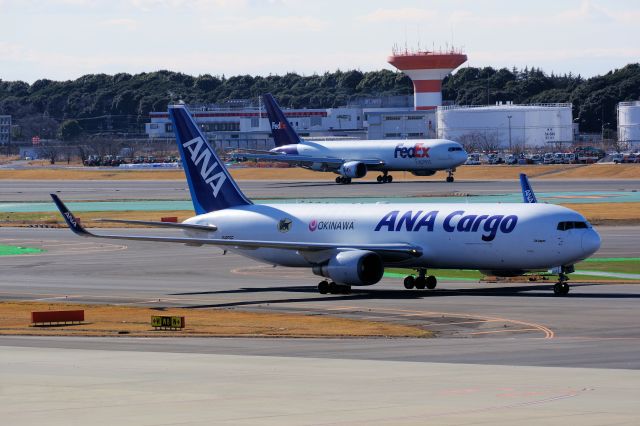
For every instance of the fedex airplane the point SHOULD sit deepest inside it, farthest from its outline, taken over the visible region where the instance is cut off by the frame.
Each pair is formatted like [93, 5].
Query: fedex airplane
[351, 244]
[353, 159]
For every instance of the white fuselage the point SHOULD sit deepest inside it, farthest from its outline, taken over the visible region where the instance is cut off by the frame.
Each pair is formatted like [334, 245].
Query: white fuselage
[461, 236]
[409, 155]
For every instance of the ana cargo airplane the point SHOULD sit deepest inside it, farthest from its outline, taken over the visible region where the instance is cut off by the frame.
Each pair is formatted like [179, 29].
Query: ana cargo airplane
[353, 159]
[352, 244]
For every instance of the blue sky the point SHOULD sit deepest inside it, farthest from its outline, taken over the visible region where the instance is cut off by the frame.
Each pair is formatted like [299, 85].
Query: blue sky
[64, 39]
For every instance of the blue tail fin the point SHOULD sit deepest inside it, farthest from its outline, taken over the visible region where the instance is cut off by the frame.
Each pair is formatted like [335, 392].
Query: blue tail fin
[527, 192]
[212, 187]
[281, 130]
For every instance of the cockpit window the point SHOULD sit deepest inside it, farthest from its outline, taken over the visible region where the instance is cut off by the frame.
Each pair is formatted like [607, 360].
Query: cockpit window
[455, 148]
[565, 226]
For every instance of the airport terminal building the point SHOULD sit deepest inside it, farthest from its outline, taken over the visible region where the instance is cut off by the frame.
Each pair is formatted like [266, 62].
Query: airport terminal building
[485, 127]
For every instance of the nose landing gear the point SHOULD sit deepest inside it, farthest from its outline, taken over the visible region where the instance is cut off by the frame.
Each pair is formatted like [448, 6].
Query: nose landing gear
[561, 288]
[450, 175]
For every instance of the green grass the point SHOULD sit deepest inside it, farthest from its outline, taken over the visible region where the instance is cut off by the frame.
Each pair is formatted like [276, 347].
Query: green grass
[13, 250]
[628, 266]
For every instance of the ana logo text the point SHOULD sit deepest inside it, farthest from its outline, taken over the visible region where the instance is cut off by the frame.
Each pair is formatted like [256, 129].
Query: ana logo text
[416, 151]
[529, 195]
[202, 156]
[71, 219]
[456, 221]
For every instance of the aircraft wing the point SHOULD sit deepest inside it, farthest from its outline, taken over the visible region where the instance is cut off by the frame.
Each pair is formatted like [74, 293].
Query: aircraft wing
[331, 162]
[391, 252]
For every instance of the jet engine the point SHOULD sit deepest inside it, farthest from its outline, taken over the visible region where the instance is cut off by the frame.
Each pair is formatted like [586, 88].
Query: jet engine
[353, 267]
[353, 169]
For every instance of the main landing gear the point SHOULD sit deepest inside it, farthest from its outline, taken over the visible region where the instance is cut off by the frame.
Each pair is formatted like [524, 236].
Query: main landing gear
[450, 175]
[343, 180]
[561, 288]
[385, 177]
[421, 281]
[325, 287]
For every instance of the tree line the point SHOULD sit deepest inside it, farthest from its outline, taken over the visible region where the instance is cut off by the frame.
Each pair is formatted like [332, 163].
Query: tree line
[107, 104]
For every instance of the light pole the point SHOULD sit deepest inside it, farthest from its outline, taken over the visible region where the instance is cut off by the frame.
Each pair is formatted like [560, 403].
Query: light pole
[509, 117]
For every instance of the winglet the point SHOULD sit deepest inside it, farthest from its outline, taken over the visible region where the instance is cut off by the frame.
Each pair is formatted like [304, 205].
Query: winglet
[281, 130]
[527, 192]
[72, 222]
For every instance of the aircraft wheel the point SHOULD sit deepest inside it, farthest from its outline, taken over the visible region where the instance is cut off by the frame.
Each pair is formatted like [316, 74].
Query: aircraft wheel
[409, 282]
[323, 287]
[339, 179]
[561, 289]
[389, 178]
[345, 289]
[347, 180]
[431, 282]
[450, 179]
[333, 288]
[420, 283]
[379, 179]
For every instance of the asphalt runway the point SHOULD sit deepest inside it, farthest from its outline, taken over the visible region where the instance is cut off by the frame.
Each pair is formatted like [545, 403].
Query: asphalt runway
[30, 190]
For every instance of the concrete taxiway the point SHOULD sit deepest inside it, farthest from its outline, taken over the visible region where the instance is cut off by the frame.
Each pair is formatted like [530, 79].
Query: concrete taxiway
[106, 387]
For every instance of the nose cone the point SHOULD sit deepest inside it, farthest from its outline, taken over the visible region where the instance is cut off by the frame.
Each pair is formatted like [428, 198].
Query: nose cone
[461, 156]
[590, 242]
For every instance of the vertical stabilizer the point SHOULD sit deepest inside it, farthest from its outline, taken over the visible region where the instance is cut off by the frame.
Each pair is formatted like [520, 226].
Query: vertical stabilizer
[212, 187]
[281, 130]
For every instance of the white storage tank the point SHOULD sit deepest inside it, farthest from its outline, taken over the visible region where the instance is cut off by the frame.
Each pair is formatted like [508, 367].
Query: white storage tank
[506, 126]
[629, 122]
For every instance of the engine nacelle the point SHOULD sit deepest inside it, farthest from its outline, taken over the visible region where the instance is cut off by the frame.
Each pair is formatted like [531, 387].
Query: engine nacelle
[353, 267]
[353, 169]
[423, 172]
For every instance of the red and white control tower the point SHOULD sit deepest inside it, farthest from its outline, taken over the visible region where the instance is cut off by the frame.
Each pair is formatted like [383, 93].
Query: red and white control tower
[427, 70]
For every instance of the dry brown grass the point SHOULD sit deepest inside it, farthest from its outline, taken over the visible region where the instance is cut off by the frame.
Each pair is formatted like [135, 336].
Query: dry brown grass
[608, 213]
[88, 218]
[105, 320]
[497, 172]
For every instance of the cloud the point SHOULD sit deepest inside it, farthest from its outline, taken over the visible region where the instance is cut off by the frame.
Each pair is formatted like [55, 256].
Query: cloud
[544, 55]
[268, 23]
[201, 5]
[126, 23]
[586, 13]
[407, 14]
